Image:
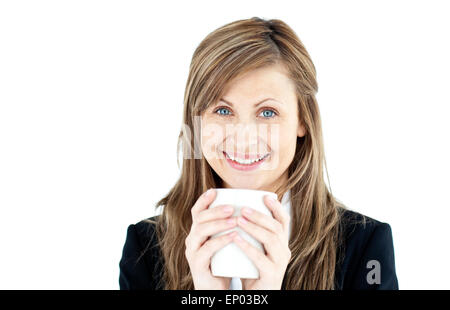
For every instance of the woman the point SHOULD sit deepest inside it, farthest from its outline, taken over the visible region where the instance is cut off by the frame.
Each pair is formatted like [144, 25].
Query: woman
[256, 73]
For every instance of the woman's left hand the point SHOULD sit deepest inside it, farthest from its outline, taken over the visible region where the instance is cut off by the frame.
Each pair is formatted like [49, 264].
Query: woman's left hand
[274, 235]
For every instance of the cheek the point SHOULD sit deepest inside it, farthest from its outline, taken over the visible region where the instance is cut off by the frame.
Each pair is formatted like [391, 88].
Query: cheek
[283, 137]
[284, 148]
[211, 137]
[288, 150]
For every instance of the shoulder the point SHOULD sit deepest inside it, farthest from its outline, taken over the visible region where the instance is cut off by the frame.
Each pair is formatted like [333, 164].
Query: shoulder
[143, 234]
[141, 262]
[146, 229]
[366, 245]
[358, 227]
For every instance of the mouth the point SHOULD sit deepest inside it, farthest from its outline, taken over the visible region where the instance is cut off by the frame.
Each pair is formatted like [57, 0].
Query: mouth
[245, 164]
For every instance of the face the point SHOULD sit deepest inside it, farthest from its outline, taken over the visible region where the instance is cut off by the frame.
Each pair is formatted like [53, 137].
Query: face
[256, 119]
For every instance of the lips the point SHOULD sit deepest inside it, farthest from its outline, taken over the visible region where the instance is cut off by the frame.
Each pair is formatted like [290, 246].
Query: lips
[246, 162]
[245, 167]
[240, 156]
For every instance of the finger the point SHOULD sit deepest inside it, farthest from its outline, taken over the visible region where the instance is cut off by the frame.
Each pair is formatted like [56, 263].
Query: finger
[262, 220]
[217, 212]
[203, 202]
[277, 210]
[201, 232]
[213, 245]
[255, 255]
[269, 239]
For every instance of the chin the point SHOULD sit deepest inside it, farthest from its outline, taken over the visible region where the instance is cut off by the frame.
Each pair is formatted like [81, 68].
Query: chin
[243, 182]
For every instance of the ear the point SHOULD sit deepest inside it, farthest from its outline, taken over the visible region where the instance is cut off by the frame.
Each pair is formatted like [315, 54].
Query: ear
[301, 131]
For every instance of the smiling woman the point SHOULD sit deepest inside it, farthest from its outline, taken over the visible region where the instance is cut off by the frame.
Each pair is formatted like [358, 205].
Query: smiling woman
[252, 86]
[266, 160]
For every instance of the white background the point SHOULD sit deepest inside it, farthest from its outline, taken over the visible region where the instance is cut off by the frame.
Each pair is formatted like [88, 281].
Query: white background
[91, 97]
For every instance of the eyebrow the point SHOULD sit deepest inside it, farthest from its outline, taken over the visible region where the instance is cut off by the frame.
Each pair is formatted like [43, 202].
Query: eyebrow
[256, 104]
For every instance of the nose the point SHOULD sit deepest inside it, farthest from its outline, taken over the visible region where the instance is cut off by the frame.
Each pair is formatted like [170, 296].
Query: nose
[244, 138]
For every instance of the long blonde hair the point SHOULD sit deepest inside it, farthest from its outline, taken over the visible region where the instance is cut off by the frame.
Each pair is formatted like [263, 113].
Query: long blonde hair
[227, 52]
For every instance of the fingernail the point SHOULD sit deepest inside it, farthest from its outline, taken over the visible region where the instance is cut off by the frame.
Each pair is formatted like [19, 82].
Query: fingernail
[271, 199]
[247, 211]
[231, 221]
[228, 209]
[208, 192]
[242, 221]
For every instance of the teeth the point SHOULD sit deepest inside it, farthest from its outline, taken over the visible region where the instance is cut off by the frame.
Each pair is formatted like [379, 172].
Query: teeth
[246, 161]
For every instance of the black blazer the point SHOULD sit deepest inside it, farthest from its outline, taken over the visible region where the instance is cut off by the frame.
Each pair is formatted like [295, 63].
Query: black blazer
[368, 261]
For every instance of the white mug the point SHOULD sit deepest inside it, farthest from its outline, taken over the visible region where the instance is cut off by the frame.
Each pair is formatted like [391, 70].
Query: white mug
[231, 261]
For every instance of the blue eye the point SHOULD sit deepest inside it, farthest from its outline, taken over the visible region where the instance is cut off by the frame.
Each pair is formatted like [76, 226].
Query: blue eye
[270, 111]
[270, 114]
[221, 109]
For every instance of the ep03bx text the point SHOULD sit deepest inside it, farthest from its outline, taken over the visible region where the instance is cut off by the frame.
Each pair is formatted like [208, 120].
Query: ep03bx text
[230, 299]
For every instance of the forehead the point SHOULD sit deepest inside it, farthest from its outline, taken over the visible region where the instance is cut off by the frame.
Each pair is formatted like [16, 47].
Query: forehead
[272, 81]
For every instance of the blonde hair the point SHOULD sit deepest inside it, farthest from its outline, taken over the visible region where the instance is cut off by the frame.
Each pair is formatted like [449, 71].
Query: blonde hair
[227, 52]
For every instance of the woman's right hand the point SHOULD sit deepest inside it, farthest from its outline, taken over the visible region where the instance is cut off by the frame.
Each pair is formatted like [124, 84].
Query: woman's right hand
[199, 250]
